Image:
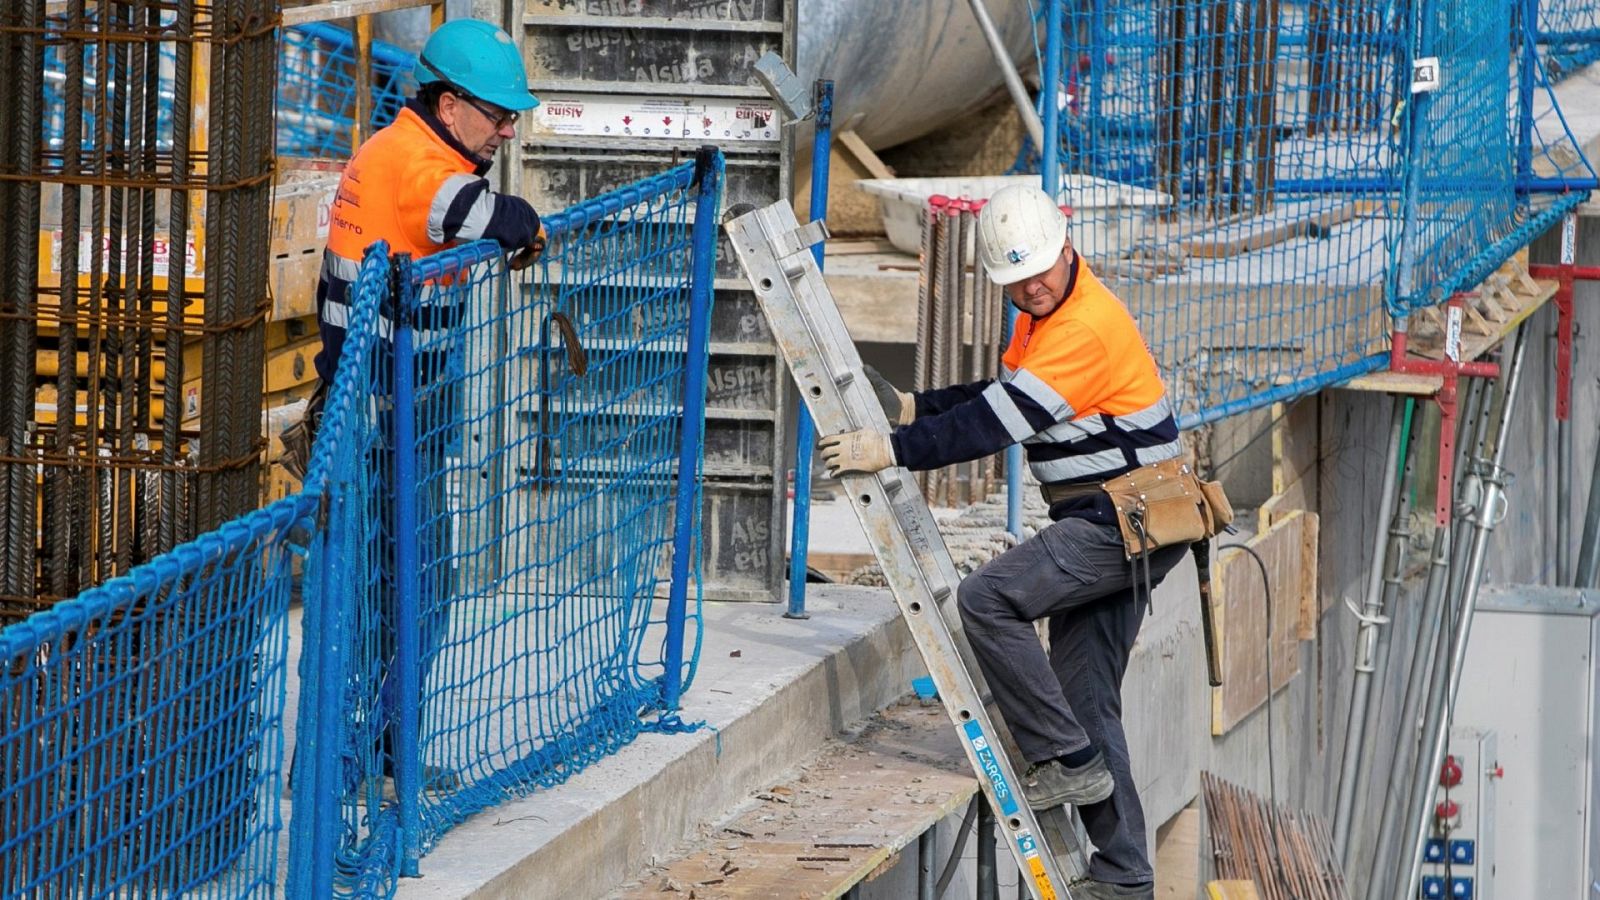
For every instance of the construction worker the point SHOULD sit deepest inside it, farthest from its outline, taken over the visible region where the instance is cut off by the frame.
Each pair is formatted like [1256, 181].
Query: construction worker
[1083, 396]
[419, 185]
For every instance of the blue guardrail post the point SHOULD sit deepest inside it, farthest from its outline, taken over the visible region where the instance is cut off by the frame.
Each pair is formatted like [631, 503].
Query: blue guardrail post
[703, 243]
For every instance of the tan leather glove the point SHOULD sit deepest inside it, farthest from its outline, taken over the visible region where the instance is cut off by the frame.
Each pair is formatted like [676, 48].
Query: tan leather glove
[900, 406]
[856, 452]
[526, 256]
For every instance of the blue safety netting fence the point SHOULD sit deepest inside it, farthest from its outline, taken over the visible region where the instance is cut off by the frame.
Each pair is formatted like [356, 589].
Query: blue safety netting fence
[1264, 189]
[317, 88]
[496, 546]
[1569, 35]
[141, 725]
[316, 96]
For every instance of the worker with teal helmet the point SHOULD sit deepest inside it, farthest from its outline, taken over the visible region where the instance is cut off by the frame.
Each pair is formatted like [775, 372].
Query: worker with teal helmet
[419, 184]
[477, 58]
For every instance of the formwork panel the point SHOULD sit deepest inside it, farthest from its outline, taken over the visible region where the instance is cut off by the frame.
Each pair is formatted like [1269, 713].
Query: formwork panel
[632, 87]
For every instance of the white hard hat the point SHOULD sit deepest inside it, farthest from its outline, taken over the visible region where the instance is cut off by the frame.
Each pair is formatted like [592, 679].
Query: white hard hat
[1020, 233]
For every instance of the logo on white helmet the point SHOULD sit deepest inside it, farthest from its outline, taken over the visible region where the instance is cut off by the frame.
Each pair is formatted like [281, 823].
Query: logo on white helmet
[1017, 255]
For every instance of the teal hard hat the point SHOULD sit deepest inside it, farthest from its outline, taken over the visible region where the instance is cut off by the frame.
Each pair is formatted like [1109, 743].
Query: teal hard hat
[478, 58]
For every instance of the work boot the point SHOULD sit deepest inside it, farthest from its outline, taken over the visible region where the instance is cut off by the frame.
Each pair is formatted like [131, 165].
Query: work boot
[1089, 889]
[1051, 784]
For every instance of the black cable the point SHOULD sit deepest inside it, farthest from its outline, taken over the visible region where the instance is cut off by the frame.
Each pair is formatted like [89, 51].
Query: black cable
[960, 845]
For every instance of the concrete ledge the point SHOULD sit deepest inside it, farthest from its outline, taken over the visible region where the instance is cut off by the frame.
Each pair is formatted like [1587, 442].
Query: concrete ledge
[792, 685]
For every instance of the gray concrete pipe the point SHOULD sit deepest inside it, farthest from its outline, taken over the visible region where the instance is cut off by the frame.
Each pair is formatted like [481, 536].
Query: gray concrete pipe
[904, 68]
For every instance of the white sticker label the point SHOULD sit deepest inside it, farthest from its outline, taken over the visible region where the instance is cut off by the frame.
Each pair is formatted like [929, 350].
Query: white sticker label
[1425, 76]
[1452, 334]
[161, 247]
[684, 118]
[1569, 239]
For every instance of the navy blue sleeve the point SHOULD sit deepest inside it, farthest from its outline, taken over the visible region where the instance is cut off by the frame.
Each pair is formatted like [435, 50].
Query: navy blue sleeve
[969, 430]
[935, 401]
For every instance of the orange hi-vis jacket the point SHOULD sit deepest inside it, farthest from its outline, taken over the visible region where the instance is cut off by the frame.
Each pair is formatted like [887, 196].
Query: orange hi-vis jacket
[412, 185]
[1079, 390]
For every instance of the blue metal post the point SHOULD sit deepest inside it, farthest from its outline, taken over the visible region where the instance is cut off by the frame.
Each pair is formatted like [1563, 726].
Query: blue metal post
[1525, 72]
[708, 178]
[1050, 169]
[407, 558]
[316, 827]
[805, 432]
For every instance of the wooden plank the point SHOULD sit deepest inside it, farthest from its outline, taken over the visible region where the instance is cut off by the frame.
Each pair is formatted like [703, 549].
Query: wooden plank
[844, 820]
[863, 154]
[1289, 222]
[1178, 855]
[1232, 890]
[1396, 383]
[1296, 445]
[1311, 601]
[1242, 618]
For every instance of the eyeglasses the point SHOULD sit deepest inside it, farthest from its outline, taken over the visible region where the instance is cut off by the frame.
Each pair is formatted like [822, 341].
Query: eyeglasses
[500, 117]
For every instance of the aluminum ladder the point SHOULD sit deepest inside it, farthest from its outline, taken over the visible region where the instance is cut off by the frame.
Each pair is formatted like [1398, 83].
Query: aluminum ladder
[775, 253]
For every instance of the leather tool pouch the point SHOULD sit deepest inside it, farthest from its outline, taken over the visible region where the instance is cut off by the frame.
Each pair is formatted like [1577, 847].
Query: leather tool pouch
[1164, 504]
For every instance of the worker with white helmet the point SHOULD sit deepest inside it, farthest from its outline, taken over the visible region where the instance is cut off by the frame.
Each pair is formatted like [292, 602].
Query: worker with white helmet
[1082, 394]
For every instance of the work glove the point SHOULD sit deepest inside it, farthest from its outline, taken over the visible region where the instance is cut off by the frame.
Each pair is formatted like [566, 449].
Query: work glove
[900, 406]
[856, 452]
[524, 258]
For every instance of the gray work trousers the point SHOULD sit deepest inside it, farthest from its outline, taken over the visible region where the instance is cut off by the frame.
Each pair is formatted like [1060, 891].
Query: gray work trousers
[1075, 573]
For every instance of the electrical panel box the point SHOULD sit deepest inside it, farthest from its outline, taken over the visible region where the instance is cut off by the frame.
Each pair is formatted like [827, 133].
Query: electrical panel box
[1530, 678]
[1459, 854]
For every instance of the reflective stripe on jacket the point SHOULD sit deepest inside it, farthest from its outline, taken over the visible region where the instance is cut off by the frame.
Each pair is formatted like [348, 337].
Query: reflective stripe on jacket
[1079, 390]
[412, 185]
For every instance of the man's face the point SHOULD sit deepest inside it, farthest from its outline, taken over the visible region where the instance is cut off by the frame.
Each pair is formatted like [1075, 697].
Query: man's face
[1040, 295]
[481, 127]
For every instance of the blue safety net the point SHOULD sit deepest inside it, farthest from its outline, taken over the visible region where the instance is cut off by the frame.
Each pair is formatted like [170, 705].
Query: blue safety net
[316, 96]
[496, 547]
[1569, 36]
[346, 831]
[141, 725]
[1263, 188]
[317, 89]
[551, 406]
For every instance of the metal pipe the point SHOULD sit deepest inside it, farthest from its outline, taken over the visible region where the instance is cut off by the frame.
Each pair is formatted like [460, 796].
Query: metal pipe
[1050, 171]
[1589, 546]
[1563, 501]
[1422, 661]
[805, 433]
[691, 444]
[1393, 575]
[1014, 86]
[1366, 642]
[408, 576]
[1429, 623]
[1487, 512]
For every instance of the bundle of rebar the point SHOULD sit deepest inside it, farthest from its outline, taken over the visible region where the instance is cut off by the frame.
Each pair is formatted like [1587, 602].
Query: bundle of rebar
[960, 322]
[1288, 854]
[138, 159]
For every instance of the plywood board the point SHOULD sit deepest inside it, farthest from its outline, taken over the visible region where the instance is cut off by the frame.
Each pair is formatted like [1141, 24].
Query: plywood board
[1232, 890]
[1296, 444]
[843, 821]
[1242, 617]
[1178, 856]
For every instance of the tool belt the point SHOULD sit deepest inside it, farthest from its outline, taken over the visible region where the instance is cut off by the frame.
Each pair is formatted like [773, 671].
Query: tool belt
[1157, 505]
